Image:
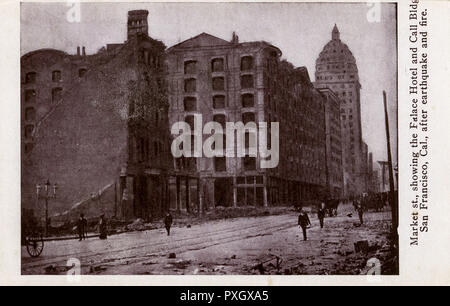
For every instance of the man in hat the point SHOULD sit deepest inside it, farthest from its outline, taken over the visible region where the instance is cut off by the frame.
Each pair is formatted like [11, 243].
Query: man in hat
[321, 213]
[102, 227]
[168, 222]
[81, 227]
[303, 222]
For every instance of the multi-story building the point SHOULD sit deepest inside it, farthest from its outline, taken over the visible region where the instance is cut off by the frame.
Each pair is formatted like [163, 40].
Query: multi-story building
[336, 68]
[99, 125]
[91, 122]
[229, 81]
[334, 171]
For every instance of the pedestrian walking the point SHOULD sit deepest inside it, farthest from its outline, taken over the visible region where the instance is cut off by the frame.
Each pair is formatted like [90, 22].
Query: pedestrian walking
[81, 227]
[321, 214]
[360, 214]
[102, 226]
[168, 222]
[85, 227]
[303, 222]
[356, 203]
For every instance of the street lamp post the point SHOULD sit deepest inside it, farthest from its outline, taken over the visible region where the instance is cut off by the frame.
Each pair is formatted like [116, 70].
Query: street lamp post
[46, 196]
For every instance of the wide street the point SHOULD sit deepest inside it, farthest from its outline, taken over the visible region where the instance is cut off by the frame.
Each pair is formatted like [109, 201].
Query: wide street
[232, 246]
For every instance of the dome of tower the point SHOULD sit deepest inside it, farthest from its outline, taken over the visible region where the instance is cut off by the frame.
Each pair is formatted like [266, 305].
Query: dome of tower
[336, 56]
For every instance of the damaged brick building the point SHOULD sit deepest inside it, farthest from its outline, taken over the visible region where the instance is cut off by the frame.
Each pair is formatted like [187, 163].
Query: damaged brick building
[230, 81]
[99, 126]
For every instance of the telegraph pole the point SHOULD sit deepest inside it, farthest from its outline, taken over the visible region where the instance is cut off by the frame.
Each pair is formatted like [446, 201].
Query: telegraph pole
[392, 200]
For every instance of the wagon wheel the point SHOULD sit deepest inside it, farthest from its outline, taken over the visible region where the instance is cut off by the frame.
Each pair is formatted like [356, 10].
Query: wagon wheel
[35, 245]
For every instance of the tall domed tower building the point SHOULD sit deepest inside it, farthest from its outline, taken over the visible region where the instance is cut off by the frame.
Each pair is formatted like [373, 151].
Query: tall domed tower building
[336, 69]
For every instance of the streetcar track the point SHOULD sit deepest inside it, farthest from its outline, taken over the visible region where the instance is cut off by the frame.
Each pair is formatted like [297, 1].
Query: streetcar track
[254, 225]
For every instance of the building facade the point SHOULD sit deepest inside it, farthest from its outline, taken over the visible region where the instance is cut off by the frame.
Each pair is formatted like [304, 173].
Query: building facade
[100, 126]
[97, 125]
[228, 81]
[336, 69]
[334, 171]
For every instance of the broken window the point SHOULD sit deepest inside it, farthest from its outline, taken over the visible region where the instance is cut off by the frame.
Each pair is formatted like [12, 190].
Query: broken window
[30, 77]
[190, 120]
[56, 94]
[29, 131]
[56, 76]
[220, 164]
[30, 114]
[82, 72]
[155, 148]
[145, 56]
[248, 100]
[218, 101]
[248, 117]
[218, 83]
[247, 81]
[190, 67]
[190, 104]
[141, 149]
[217, 65]
[190, 85]
[247, 63]
[28, 147]
[221, 119]
[249, 163]
[30, 96]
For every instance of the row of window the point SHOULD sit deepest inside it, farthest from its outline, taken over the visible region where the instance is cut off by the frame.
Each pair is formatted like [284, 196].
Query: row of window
[141, 151]
[248, 163]
[218, 83]
[217, 65]
[30, 95]
[29, 131]
[220, 165]
[218, 102]
[31, 77]
[340, 77]
[336, 66]
[221, 119]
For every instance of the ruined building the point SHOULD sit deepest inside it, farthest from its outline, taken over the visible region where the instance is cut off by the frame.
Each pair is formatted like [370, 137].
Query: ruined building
[333, 139]
[100, 126]
[97, 126]
[232, 81]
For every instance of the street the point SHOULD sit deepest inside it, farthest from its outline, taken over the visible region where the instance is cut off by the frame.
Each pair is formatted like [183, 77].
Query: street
[231, 246]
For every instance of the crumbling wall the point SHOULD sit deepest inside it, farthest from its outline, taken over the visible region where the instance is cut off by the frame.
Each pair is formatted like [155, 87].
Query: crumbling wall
[82, 143]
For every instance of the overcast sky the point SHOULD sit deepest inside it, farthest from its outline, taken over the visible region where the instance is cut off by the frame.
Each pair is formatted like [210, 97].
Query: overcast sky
[300, 30]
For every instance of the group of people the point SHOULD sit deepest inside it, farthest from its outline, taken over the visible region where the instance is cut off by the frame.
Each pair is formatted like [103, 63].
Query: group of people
[82, 226]
[304, 222]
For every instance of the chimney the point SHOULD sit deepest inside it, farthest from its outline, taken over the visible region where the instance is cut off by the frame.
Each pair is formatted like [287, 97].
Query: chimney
[78, 51]
[235, 38]
[84, 51]
[137, 23]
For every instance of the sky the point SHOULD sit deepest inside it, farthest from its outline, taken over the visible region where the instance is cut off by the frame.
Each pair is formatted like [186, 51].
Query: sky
[300, 30]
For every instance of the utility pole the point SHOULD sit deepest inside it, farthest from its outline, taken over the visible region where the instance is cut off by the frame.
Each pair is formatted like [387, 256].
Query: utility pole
[392, 199]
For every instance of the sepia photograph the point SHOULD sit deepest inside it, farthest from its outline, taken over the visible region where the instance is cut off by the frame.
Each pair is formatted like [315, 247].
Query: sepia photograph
[209, 138]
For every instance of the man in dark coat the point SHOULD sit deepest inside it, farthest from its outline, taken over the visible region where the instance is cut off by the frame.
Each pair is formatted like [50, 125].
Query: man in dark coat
[168, 222]
[321, 214]
[303, 222]
[103, 228]
[360, 213]
[85, 226]
[81, 227]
